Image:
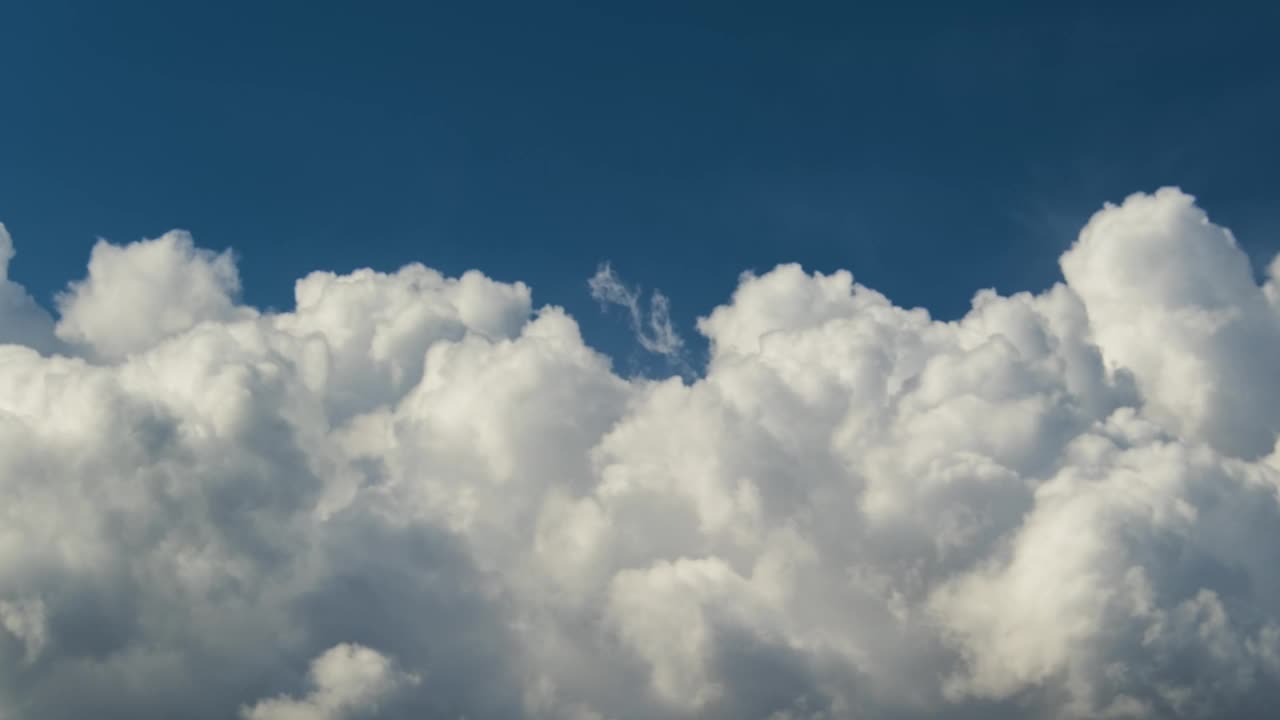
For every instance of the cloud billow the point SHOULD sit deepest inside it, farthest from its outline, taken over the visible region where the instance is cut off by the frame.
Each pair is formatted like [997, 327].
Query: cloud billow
[419, 496]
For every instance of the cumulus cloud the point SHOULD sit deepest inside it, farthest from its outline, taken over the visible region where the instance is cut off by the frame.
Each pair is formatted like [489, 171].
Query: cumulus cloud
[22, 320]
[347, 681]
[139, 294]
[421, 496]
[1172, 298]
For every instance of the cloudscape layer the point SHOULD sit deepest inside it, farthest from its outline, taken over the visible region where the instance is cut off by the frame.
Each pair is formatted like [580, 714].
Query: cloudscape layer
[424, 496]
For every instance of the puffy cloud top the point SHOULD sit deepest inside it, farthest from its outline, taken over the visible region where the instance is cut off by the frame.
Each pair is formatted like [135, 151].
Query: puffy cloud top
[349, 680]
[22, 320]
[1172, 298]
[142, 293]
[417, 496]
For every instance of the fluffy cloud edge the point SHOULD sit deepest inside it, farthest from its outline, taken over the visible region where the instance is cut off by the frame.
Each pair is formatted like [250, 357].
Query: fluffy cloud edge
[1057, 506]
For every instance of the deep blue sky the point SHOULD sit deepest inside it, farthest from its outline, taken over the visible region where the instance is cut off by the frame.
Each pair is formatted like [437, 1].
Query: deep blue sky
[933, 150]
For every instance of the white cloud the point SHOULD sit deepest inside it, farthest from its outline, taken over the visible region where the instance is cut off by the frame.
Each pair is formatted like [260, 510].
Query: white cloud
[1062, 505]
[652, 329]
[348, 681]
[22, 320]
[6, 252]
[1172, 298]
[141, 293]
[25, 621]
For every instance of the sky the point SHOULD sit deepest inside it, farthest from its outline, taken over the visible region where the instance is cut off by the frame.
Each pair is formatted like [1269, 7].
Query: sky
[692, 361]
[684, 142]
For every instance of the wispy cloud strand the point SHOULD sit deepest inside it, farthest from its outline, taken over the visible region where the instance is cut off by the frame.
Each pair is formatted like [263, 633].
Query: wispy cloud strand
[653, 328]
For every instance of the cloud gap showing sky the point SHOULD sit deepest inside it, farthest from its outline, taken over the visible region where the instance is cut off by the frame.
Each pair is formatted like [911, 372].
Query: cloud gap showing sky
[416, 495]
